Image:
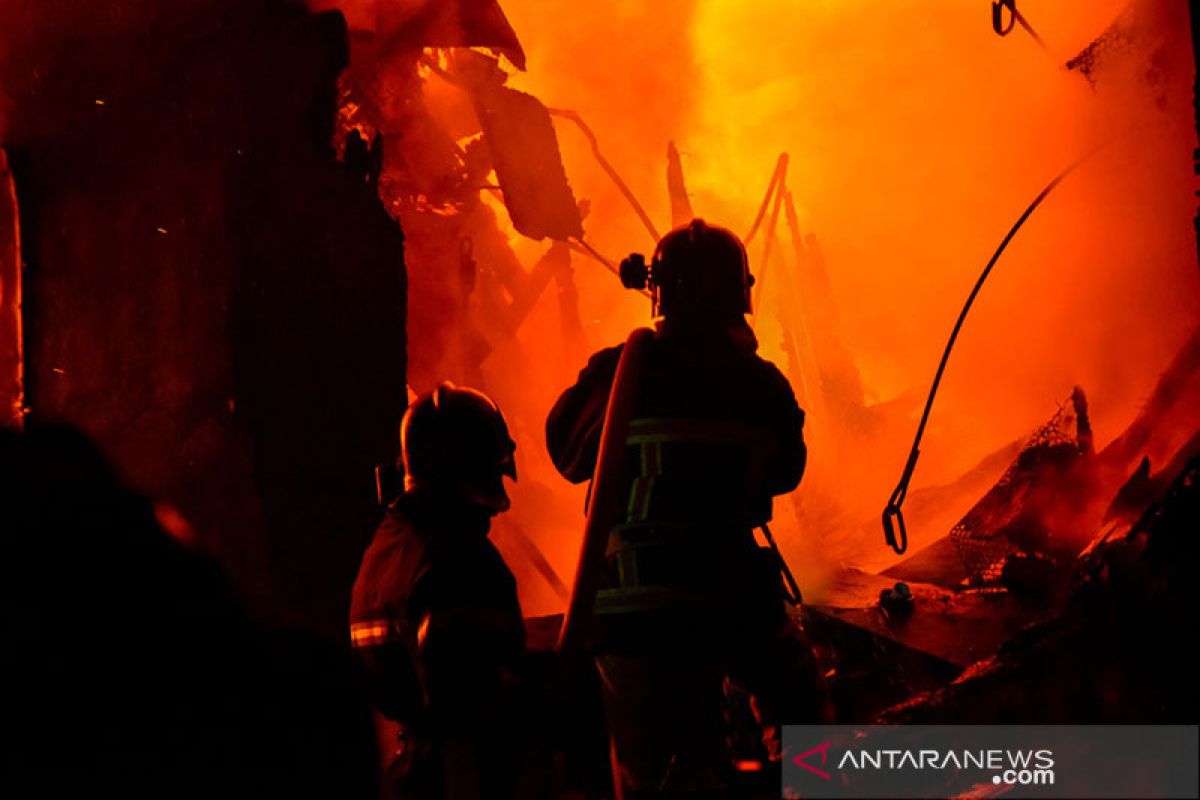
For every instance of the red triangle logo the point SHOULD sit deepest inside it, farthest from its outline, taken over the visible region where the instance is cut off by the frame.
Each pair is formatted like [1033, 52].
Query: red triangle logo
[801, 760]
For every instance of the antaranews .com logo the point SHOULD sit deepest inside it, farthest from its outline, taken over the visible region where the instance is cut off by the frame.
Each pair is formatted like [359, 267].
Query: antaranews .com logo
[1122, 761]
[1010, 767]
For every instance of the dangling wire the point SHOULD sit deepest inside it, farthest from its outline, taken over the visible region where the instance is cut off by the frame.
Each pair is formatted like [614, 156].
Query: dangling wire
[609, 169]
[894, 529]
[1016, 18]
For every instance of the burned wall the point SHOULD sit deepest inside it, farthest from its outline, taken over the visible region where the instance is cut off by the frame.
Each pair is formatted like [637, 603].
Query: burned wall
[209, 292]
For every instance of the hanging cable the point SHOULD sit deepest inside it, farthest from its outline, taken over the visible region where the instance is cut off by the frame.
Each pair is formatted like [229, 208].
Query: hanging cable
[1016, 18]
[608, 168]
[581, 246]
[894, 530]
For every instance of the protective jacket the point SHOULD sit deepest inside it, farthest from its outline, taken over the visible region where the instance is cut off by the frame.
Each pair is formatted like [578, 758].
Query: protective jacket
[712, 407]
[689, 598]
[432, 584]
[716, 434]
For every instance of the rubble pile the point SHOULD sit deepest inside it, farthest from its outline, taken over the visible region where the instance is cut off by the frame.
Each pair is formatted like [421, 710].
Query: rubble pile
[1119, 651]
[1050, 580]
[1035, 509]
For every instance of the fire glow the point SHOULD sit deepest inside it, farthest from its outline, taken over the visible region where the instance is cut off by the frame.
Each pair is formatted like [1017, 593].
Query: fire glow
[914, 138]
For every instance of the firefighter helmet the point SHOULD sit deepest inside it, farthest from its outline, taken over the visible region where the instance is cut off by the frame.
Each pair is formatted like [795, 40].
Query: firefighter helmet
[698, 272]
[455, 440]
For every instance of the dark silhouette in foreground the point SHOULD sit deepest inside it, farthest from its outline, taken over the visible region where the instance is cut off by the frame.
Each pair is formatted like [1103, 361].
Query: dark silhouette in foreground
[130, 668]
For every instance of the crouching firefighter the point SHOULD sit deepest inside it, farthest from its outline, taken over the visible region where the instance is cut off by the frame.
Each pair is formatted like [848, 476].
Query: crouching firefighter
[687, 435]
[434, 614]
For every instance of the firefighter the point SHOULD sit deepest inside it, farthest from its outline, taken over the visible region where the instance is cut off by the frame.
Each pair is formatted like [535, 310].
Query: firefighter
[688, 597]
[434, 615]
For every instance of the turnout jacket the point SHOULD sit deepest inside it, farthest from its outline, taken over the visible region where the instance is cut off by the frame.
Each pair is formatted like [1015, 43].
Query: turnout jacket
[716, 432]
[434, 617]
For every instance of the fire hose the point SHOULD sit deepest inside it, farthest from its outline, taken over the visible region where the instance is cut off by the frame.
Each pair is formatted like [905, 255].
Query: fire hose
[606, 492]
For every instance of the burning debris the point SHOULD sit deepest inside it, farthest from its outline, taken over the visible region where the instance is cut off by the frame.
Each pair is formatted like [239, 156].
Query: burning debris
[1051, 538]
[1119, 650]
[519, 135]
[1037, 508]
[1138, 43]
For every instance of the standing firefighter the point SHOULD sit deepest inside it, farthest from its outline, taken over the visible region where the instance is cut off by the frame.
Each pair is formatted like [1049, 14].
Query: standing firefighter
[434, 614]
[705, 434]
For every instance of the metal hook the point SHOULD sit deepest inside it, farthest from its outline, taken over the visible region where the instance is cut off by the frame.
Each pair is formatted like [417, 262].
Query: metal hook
[998, 25]
[1015, 17]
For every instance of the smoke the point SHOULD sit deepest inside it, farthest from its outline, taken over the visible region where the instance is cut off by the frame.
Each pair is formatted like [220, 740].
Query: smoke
[917, 136]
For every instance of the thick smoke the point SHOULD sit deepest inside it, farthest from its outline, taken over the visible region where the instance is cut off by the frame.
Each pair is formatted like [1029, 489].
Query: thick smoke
[917, 136]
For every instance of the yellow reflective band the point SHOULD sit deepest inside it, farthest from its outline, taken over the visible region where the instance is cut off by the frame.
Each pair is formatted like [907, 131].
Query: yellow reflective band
[372, 632]
[639, 499]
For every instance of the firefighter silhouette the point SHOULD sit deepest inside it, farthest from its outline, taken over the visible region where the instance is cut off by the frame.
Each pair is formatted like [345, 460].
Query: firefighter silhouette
[434, 617]
[687, 598]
